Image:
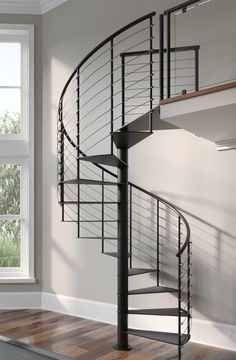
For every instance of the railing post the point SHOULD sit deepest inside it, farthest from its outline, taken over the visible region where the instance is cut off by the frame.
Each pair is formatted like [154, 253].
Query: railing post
[196, 69]
[179, 287]
[168, 55]
[62, 167]
[123, 258]
[161, 56]
[189, 285]
[103, 211]
[78, 148]
[130, 225]
[123, 88]
[151, 73]
[112, 93]
[158, 243]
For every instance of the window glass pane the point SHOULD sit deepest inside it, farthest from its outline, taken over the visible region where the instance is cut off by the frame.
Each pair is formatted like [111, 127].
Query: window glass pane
[10, 110]
[9, 189]
[9, 243]
[10, 64]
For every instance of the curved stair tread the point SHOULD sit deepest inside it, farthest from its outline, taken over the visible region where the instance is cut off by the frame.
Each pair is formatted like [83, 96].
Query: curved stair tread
[137, 271]
[159, 312]
[129, 138]
[142, 123]
[105, 159]
[170, 338]
[152, 290]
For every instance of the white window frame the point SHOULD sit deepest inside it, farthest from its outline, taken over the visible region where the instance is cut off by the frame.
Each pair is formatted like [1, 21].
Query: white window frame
[19, 149]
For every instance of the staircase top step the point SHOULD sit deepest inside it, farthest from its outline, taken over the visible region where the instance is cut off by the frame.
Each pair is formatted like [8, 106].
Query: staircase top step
[137, 271]
[170, 338]
[160, 312]
[152, 290]
[89, 182]
[129, 138]
[142, 123]
[105, 159]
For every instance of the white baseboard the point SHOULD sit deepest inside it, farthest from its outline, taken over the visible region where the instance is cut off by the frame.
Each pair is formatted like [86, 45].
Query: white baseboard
[88, 309]
[203, 331]
[214, 334]
[20, 300]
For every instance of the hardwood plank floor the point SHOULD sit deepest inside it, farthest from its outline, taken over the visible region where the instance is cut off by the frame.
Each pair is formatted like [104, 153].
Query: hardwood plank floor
[83, 339]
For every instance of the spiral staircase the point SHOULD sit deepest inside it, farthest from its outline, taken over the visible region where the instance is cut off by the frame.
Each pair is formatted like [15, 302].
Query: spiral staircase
[109, 104]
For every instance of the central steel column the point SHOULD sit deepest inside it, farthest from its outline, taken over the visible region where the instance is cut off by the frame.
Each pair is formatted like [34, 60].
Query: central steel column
[123, 242]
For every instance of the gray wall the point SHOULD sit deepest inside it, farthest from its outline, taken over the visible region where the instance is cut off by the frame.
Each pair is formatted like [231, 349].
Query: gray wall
[36, 21]
[177, 165]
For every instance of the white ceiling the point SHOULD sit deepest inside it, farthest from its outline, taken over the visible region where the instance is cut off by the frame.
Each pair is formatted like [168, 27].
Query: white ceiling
[34, 7]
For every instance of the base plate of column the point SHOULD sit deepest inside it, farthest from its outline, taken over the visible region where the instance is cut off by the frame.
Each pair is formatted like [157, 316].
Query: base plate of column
[122, 348]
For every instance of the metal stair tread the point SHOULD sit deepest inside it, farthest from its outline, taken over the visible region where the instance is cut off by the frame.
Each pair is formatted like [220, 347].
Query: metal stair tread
[137, 271]
[170, 338]
[89, 182]
[113, 254]
[142, 123]
[105, 159]
[152, 290]
[160, 312]
[129, 138]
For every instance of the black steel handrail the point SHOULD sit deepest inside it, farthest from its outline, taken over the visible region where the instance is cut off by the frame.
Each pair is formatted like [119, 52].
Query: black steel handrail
[154, 196]
[184, 5]
[104, 42]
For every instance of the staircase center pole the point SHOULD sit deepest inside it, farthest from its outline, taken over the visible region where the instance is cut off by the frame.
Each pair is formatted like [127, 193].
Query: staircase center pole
[123, 240]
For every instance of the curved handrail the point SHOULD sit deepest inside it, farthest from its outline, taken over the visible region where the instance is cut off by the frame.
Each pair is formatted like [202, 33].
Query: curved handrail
[154, 196]
[104, 42]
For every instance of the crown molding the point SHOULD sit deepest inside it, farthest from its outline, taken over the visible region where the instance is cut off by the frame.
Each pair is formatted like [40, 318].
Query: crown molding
[47, 5]
[34, 7]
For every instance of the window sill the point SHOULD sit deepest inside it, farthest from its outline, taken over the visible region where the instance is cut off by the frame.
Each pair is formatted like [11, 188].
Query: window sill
[17, 280]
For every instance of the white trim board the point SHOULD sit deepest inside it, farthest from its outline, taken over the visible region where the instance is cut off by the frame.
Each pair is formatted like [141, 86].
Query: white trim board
[34, 7]
[203, 331]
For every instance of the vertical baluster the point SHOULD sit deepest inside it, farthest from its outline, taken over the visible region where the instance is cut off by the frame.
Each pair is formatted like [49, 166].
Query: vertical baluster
[158, 243]
[161, 57]
[103, 199]
[78, 148]
[168, 54]
[196, 69]
[112, 93]
[123, 87]
[130, 225]
[62, 167]
[179, 285]
[189, 285]
[151, 73]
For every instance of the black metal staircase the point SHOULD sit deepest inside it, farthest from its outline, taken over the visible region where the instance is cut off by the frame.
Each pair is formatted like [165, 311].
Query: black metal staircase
[110, 104]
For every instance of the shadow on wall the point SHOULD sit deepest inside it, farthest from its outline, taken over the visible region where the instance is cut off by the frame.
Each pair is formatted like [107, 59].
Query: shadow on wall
[213, 271]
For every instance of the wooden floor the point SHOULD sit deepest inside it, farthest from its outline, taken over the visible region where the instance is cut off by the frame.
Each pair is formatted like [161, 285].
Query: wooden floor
[88, 340]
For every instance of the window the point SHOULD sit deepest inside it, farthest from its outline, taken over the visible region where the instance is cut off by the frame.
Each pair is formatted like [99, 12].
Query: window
[16, 154]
